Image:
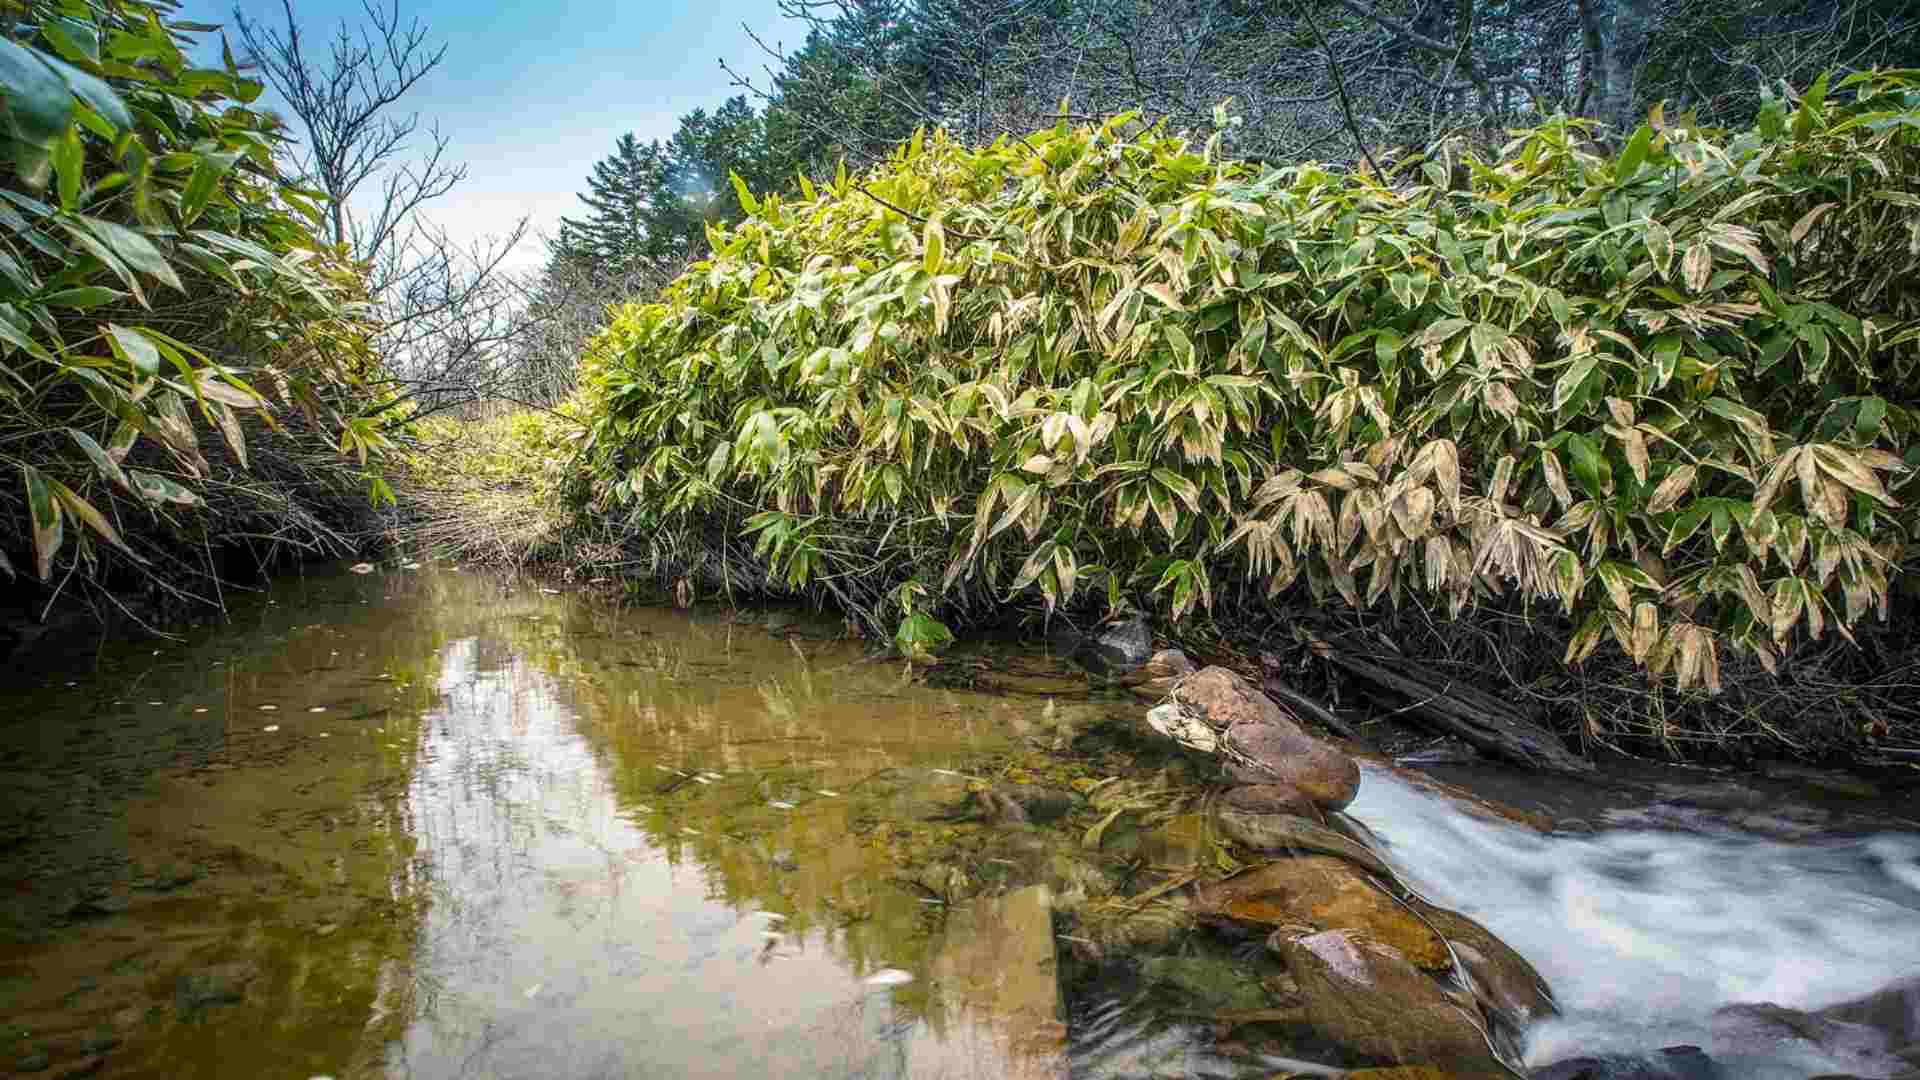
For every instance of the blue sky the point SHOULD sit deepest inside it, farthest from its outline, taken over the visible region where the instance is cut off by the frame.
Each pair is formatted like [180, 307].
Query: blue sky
[532, 94]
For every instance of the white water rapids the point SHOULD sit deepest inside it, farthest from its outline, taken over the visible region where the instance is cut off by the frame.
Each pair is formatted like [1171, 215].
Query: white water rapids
[1644, 932]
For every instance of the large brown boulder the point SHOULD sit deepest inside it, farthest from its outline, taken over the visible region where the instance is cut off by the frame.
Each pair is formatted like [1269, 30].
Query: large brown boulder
[1325, 893]
[1264, 744]
[1366, 997]
[1223, 699]
[1269, 799]
[1264, 753]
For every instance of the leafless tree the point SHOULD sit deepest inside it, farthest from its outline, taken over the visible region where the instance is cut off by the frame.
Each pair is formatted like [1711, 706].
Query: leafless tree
[345, 102]
[446, 311]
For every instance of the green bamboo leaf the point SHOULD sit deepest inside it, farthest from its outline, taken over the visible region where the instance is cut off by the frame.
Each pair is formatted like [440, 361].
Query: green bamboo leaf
[133, 347]
[45, 512]
[1590, 466]
[1866, 421]
[922, 637]
[86, 296]
[73, 39]
[207, 172]
[69, 168]
[1659, 246]
[935, 243]
[1571, 379]
[159, 489]
[1633, 156]
[133, 249]
[37, 97]
[747, 202]
[103, 462]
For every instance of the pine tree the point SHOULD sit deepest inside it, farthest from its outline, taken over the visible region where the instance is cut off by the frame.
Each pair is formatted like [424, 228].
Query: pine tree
[622, 193]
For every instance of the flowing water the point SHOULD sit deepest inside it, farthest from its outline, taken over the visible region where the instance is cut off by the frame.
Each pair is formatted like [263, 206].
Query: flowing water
[430, 824]
[1656, 903]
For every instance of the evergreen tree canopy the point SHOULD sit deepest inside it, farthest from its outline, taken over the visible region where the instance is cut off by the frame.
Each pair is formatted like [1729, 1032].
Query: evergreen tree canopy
[651, 202]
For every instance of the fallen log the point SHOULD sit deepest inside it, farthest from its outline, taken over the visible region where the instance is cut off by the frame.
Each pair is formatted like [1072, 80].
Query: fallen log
[1446, 704]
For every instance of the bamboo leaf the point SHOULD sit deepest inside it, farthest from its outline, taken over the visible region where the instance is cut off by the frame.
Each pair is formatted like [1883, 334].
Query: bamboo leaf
[934, 244]
[94, 520]
[105, 463]
[44, 511]
[1677, 483]
[1697, 265]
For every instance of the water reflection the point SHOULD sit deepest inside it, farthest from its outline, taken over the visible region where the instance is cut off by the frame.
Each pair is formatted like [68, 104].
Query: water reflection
[428, 825]
[651, 849]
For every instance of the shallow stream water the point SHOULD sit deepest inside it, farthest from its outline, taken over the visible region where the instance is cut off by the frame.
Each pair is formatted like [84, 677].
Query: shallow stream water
[429, 823]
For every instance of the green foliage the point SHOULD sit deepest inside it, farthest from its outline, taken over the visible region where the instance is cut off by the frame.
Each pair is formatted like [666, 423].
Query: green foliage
[1671, 392]
[145, 232]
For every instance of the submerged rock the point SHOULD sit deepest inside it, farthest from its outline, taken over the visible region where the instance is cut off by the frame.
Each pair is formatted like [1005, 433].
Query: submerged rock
[1290, 832]
[219, 984]
[1421, 1073]
[1324, 893]
[1159, 675]
[1672, 1063]
[1858, 1049]
[1117, 648]
[1207, 983]
[1367, 997]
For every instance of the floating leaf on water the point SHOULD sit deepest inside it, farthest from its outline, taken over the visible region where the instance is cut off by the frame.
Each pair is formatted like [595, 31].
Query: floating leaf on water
[316, 708]
[269, 708]
[888, 977]
[778, 805]
[323, 734]
[271, 727]
[829, 794]
[201, 709]
[358, 568]
[156, 703]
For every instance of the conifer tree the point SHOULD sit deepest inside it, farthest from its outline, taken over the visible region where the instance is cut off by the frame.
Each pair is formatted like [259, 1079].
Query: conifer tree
[621, 193]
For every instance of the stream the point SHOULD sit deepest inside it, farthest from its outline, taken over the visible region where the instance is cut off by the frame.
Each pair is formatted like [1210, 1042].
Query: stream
[431, 823]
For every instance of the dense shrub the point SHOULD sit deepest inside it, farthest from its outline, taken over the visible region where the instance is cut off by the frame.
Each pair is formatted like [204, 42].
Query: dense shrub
[163, 303]
[1672, 391]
